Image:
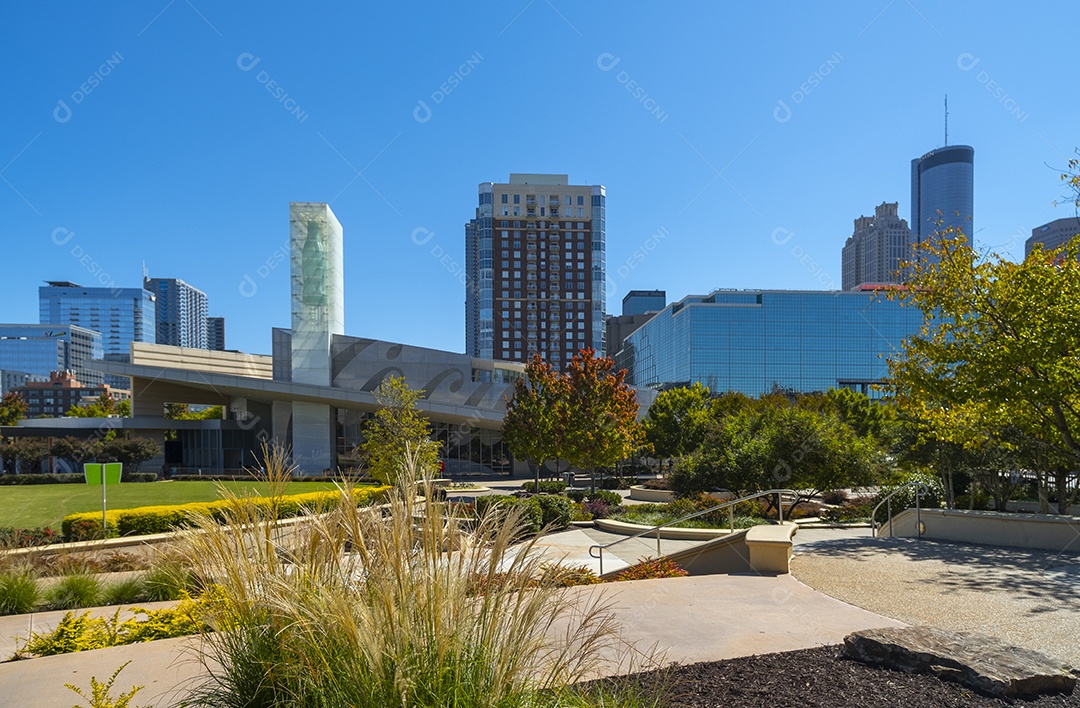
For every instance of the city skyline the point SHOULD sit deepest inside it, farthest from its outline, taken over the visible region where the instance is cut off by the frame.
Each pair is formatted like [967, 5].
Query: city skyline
[179, 135]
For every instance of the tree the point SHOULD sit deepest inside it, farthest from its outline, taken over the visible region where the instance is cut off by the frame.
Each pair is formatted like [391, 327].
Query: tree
[76, 450]
[397, 439]
[601, 424]
[28, 453]
[12, 409]
[778, 443]
[102, 407]
[130, 451]
[999, 349]
[678, 420]
[181, 411]
[534, 427]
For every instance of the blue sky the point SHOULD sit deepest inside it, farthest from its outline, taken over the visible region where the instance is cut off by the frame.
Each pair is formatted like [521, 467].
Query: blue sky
[737, 144]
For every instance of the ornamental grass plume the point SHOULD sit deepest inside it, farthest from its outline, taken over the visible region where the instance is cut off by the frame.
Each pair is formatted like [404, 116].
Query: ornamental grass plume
[379, 606]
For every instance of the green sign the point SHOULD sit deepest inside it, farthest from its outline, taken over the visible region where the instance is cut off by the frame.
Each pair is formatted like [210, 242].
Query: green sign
[113, 472]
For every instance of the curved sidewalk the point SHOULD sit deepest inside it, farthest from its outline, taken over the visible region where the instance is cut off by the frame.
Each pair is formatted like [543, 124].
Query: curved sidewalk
[692, 619]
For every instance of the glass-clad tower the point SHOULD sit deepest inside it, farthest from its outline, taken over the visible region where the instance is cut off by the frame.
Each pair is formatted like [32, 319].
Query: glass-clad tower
[180, 312]
[755, 341]
[40, 349]
[535, 258]
[121, 315]
[318, 313]
[942, 181]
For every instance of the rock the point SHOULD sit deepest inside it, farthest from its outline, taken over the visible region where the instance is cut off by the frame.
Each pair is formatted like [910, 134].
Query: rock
[976, 661]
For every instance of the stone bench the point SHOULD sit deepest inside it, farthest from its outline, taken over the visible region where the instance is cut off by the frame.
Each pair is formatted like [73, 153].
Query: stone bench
[770, 547]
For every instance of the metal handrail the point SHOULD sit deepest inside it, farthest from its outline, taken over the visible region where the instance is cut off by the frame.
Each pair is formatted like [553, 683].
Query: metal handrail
[921, 488]
[730, 504]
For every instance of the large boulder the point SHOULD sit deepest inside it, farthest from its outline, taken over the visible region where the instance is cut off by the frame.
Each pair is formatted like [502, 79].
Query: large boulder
[982, 663]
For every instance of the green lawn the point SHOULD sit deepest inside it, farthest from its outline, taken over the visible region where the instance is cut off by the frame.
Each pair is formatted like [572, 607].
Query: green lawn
[47, 504]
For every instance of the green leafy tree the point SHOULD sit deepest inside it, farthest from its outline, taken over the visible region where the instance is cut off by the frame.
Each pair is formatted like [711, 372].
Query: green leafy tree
[996, 361]
[130, 451]
[12, 409]
[28, 453]
[601, 426]
[534, 427]
[102, 407]
[76, 450]
[777, 443]
[397, 438]
[182, 411]
[678, 420]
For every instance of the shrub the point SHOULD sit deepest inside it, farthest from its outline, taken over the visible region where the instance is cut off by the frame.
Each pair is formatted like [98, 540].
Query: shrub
[847, 512]
[546, 487]
[834, 496]
[577, 495]
[501, 505]
[647, 570]
[27, 538]
[101, 693]
[83, 633]
[662, 483]
[124, 592]
[19, 479]
[554, 510]
[597, 509]
[76, 590]
[617, 482]
[145, 520]
[608, 497]
[19, 592]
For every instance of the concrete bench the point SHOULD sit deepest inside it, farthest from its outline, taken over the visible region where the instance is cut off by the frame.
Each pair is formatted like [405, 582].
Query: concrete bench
[770, 547]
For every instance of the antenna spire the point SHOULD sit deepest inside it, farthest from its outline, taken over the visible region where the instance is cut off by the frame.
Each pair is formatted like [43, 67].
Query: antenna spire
[946, 120]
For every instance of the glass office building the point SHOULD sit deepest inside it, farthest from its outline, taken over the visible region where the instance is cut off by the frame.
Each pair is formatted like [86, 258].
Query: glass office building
[638, 302]
[40, 349]
[755, 341]
[180, 312]
[121, 315]
[942, 181]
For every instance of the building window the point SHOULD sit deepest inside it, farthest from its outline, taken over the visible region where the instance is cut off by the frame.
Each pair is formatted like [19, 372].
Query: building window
[580, 201]
[517, 199]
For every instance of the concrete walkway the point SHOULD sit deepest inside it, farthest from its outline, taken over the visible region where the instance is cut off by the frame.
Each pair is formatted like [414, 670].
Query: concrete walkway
[683, 619]
[571, 548]
[1025, 597]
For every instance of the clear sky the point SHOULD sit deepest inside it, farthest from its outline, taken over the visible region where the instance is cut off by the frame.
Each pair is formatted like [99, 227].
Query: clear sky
[737, 144]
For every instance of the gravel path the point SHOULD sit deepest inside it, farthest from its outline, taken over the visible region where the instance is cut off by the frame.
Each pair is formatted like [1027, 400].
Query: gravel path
[1025, 597]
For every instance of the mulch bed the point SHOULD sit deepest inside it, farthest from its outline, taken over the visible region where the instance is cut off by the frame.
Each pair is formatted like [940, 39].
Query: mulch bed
[818, 677]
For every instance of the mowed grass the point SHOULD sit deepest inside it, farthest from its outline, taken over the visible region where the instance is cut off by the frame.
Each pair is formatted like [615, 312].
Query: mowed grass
[47, 504]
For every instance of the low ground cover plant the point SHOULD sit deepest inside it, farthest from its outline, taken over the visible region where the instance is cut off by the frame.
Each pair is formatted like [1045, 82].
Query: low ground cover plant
[82, 632]
[651, 569]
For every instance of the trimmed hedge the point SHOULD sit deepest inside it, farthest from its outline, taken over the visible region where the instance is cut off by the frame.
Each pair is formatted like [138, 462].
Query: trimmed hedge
[546, 487]
[77, 478]
[161, 519]
[532, 516]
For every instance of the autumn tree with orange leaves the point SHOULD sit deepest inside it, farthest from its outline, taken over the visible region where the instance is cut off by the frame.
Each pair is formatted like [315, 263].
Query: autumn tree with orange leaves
[586, 415]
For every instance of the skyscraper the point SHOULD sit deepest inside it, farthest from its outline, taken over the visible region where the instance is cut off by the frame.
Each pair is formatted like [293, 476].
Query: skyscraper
[215, 334]
[180, 311]
[121, 315]
[942, 189]
[535, 266]
[638, 302]
[1054, 234]
[41, 349]
[876, 248]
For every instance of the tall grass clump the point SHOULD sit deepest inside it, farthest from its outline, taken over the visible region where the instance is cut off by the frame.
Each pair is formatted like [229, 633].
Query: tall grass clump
[401, 605]
[73, 591]
[19, 591]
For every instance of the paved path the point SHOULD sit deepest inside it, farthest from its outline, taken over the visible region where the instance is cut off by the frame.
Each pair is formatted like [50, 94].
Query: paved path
[684, 619]
[1025, 597]
[571, 547]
